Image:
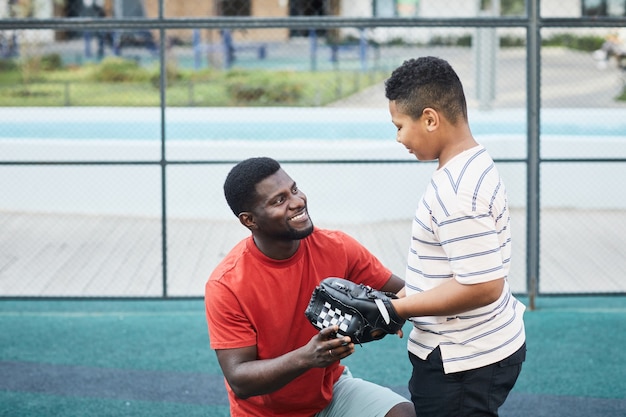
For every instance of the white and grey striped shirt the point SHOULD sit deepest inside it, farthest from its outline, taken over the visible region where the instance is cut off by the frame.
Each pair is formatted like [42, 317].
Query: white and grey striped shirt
[461, 231]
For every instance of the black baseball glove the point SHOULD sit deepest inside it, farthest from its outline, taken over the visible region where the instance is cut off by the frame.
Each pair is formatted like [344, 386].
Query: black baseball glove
[361, 312]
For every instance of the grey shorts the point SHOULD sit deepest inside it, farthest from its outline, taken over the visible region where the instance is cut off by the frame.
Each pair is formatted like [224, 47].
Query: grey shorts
[359, 398]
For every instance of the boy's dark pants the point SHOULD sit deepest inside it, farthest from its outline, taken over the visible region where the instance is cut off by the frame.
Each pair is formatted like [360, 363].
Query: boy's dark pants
[477, 392]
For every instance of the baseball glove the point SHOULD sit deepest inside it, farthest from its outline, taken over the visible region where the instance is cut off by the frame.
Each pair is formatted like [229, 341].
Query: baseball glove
[361, 312]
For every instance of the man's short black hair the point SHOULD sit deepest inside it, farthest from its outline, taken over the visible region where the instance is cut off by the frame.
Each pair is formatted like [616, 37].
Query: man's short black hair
[241, 181]
[427, 82]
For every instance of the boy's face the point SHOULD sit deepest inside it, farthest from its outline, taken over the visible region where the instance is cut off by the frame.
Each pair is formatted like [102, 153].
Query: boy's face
[414, 134]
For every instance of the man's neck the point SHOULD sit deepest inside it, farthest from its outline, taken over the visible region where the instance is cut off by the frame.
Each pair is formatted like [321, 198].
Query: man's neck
[275, 249]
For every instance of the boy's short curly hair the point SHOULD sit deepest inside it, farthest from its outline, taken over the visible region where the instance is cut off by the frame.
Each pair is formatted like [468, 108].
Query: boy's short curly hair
[241, 181]
[427, 82]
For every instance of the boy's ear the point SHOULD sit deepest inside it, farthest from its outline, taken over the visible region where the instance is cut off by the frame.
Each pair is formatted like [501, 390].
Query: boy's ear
[431, 119]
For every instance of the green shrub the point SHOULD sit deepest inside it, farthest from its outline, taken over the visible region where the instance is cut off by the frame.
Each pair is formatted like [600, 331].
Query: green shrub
[8, 65]
[622, 96]
[119, 70]
[262, 89]
[508, 41]
[51, 62]
[171, 75]
[206, 74]
[237, 73]
[588, 43]
[463, 40]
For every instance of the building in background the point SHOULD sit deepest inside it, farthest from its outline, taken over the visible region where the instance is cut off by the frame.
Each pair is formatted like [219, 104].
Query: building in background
[284, 8]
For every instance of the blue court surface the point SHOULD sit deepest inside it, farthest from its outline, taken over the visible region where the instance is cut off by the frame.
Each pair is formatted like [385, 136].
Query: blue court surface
[281, 124]
[152, 358]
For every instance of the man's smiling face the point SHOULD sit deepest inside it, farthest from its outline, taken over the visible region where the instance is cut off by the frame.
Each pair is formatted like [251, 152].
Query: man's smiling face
[281, 209]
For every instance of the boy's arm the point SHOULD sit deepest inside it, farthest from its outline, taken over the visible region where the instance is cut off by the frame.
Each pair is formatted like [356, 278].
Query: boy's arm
[449, 299]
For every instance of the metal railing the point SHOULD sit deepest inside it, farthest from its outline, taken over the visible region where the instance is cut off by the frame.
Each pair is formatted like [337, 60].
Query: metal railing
[533, 23]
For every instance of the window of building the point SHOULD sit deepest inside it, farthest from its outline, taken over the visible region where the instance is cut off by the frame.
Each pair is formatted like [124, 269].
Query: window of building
[615, 8]
[396, 8]
[235, 7]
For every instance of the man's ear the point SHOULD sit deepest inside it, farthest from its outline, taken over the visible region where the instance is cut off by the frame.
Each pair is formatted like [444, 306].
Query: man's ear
[246, 218]
[431, 119]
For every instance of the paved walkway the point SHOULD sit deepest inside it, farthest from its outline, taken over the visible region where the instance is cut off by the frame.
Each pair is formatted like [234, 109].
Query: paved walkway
[569, 79]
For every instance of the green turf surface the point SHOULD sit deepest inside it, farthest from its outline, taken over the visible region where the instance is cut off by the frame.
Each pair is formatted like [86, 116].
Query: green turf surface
[152, 357]
[24, 404]
[149, 335]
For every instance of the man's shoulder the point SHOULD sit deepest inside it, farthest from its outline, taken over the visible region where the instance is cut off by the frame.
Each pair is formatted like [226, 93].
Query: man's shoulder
[230, 261]
[328, 235]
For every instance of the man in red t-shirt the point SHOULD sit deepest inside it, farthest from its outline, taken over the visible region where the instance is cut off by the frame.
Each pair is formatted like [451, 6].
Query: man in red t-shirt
[274, 362]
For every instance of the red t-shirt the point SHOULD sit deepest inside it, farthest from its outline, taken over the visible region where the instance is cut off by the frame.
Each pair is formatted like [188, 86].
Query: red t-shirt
[252, 300]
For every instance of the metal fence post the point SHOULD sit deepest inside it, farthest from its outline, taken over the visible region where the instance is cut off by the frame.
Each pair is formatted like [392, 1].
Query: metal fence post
[533, 110]
[163, 85]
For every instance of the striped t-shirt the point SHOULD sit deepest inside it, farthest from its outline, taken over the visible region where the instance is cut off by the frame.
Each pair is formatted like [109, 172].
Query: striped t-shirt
[461, 231]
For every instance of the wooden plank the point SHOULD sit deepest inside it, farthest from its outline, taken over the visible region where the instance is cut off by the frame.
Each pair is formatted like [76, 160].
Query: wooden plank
[202, 246]
[76, 274]
[42, 244]
[185, 255]
[140, 272]
[74, 255]
[123, 252]
[582, 251]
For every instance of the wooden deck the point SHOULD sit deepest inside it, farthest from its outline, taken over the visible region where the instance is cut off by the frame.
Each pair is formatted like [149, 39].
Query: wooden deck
[65, 255]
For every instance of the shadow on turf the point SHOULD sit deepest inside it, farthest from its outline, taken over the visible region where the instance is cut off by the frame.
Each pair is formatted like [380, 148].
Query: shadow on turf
[207, 389]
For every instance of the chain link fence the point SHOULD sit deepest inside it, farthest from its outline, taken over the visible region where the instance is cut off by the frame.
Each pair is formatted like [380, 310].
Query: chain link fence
[119, 121]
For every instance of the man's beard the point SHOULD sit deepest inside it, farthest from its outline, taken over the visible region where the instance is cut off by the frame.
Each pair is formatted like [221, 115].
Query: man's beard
[293, 234]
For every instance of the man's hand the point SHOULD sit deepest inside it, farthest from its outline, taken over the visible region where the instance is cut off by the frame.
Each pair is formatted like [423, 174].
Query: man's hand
[327, 347]
[249, 376]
